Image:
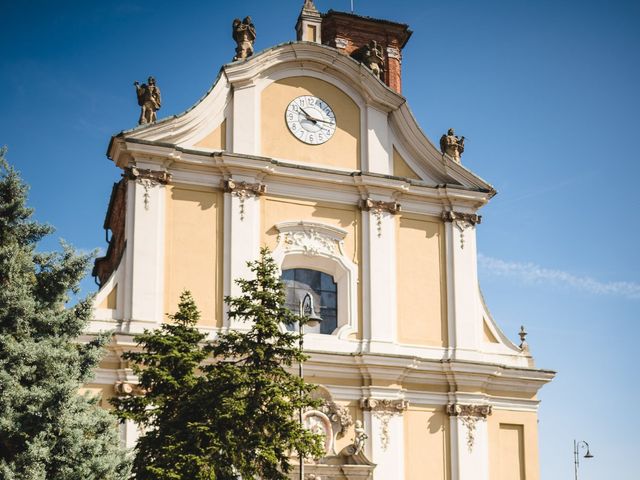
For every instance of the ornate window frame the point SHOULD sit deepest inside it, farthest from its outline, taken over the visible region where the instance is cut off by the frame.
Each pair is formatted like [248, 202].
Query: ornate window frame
[318, 246]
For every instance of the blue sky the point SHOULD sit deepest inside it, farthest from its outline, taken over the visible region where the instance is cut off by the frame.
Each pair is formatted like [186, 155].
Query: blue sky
[546, 93]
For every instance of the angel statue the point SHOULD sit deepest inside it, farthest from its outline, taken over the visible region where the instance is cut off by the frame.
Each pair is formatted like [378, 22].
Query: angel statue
[244, 33]
[452, 145]
[360, 438]
[374, 59]
[149, 100]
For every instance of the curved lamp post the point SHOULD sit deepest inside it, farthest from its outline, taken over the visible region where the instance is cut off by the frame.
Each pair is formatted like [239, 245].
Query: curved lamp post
[307, 311]
[577, 445]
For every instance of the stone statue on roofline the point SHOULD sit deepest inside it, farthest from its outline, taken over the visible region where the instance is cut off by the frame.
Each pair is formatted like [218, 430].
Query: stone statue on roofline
[452, 145]
[374, 59]
[149, 100]
[244, 33]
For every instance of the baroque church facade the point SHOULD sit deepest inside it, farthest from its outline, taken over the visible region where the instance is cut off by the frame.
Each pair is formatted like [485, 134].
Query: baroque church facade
[309, 148]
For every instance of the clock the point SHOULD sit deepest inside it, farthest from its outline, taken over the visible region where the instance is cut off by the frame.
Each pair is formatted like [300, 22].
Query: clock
[310, 119]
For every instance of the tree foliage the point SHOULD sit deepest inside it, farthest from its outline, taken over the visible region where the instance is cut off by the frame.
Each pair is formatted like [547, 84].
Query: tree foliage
[47, 430]
[235, 415]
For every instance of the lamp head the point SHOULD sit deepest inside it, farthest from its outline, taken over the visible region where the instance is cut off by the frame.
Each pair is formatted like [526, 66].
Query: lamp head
[307, 310]
[314, 320]
[588, 454]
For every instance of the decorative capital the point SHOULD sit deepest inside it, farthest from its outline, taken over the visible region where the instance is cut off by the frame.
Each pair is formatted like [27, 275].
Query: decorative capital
[384, 405]
[369, 204]
[244, 188]
[377, 207]
[469, 218]
[469, 415]
[479, 411]
[128, 389]
[155, 177]
[148, 179]
[383, 410]
[462, 221]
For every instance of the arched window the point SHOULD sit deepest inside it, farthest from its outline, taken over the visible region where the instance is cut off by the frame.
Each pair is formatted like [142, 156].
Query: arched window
[323, 289]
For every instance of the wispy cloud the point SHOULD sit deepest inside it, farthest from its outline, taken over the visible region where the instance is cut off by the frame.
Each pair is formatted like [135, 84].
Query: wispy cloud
[532, 273]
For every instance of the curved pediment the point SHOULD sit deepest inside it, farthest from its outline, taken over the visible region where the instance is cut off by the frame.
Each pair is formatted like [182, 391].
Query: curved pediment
[243, 113]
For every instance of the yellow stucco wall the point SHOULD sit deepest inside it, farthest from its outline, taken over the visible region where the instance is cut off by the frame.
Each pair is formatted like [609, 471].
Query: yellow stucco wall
[422, 315]
[280, 209]
[513, 445]
[401, 168]
[216, 140]
[193, 250]
[111, 300]
[487, 334]
[427, 450]
[342, 150]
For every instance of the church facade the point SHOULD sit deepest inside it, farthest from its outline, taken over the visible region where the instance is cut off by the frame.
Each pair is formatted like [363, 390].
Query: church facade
[310, 149]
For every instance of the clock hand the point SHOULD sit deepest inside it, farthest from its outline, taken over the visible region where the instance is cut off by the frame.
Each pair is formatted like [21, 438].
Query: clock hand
[324, 121]
[309, 117]
[314, 119]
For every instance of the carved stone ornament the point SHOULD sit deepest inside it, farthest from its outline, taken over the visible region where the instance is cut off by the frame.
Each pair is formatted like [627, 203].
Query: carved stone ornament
[377, 208]
[244, 34]
[469, 415]
[149, 99]
[147, 179]
[244, 190]
[310, 238]
[394, 52]
[341, 43]
[452, 145]
[462, 221]
[128, 389]
[383, 410]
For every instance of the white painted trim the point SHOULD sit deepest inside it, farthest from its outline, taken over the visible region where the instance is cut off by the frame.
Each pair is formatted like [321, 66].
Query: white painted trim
[319, 246]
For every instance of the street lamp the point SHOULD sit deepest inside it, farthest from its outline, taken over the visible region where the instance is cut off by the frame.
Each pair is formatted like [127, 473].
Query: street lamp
[576, 456]
[313, 320]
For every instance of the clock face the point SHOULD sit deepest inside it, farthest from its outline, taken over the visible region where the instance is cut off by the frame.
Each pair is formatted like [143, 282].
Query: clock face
[311, 120]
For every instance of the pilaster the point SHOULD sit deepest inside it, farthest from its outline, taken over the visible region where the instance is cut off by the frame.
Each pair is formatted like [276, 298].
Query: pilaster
[241, 232]
[469, 441]
[379, 270]
[465, 316]
[246, 117]
[146, 247]
[378, 156]
[386, 435]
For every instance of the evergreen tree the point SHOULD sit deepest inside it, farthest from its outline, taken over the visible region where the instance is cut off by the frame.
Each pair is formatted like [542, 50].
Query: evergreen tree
[47, 430]
[224, 410]
[168, 373]
[259, 397]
